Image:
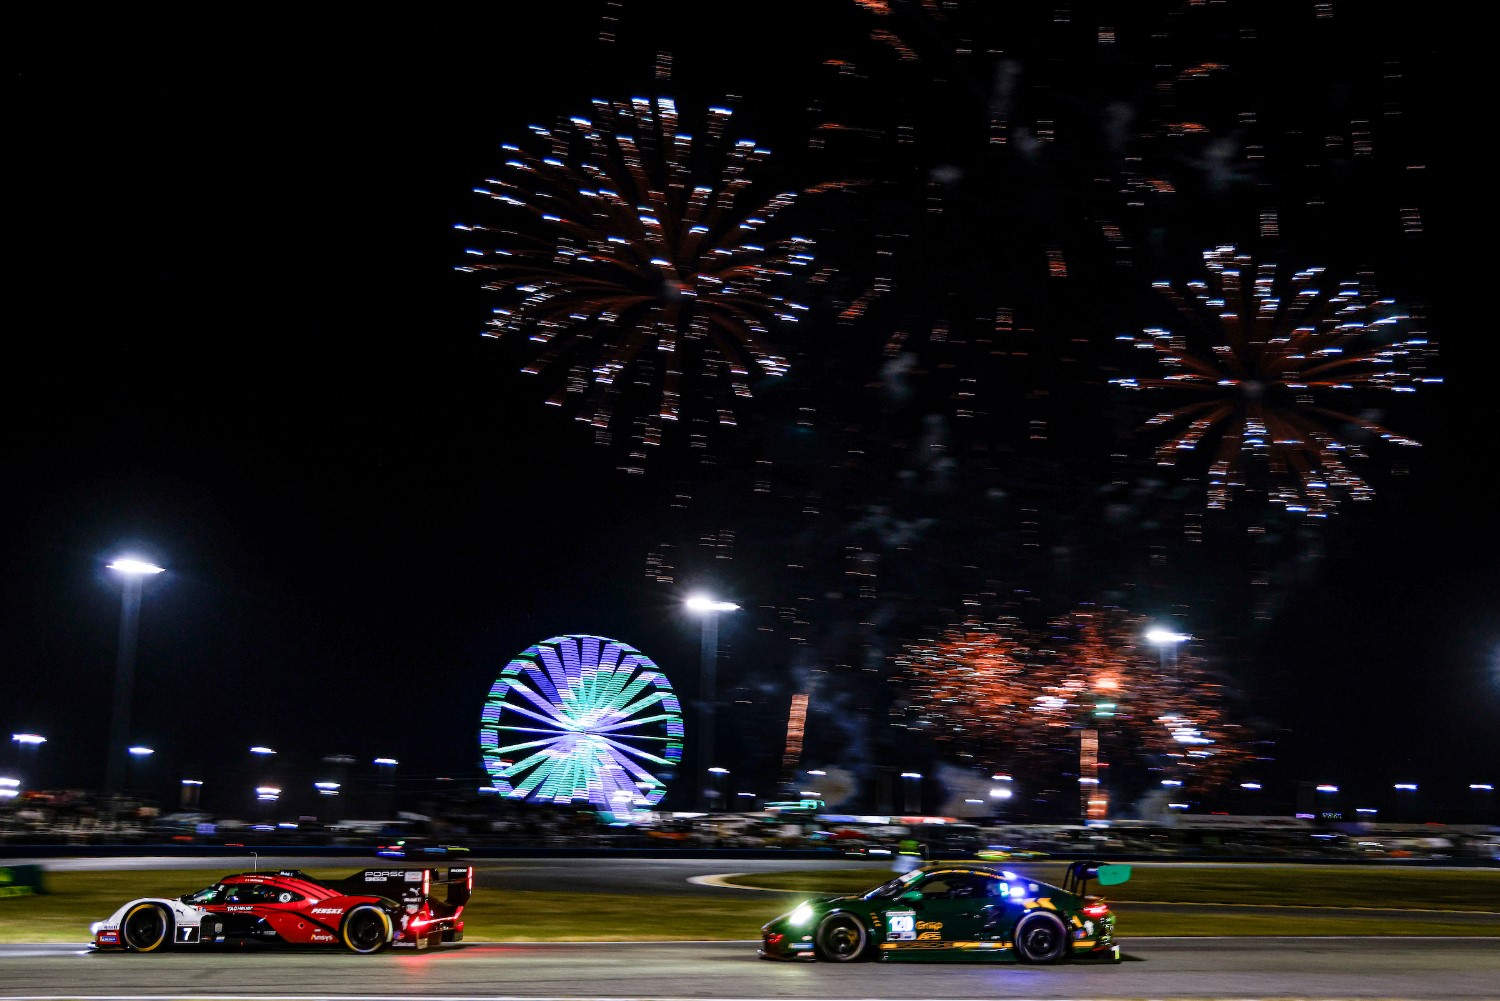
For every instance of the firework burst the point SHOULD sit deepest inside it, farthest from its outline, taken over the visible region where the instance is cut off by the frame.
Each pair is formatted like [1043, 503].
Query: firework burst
[1274, 372]
[1019, 700]
[625, 234]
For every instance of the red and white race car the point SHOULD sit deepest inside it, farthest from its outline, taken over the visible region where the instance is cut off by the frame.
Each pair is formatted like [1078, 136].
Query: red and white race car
[366, 912]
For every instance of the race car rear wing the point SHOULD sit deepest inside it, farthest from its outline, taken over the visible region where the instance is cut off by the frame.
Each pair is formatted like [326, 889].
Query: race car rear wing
[413, 886]
[1081, 873]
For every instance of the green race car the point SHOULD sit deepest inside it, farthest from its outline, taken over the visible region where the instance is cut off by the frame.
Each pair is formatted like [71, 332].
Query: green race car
[961, 911]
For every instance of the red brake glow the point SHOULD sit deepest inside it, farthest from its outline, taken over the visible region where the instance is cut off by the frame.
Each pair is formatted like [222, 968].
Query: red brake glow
[426, 882]
[1096, 910]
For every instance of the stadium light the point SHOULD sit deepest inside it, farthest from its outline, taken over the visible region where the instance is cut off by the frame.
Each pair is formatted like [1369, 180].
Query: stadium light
[703, 603]
[1166, 639]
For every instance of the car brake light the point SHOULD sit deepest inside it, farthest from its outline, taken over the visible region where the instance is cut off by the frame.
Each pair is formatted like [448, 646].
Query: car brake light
[471, 879]
[426, 881]
[1096, 910]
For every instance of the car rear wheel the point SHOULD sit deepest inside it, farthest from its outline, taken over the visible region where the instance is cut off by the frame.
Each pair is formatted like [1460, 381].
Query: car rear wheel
[841, 939]
[146, 928]
[1041, 938]
[366, 929]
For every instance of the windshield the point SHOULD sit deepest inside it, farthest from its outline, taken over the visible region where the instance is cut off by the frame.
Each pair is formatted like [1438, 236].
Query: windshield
[205, 896]
[894, 888]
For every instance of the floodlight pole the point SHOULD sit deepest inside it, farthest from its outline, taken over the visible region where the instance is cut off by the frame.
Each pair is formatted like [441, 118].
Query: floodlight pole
[119, 729]
[709, 609]
[132, 573]
[709, 695]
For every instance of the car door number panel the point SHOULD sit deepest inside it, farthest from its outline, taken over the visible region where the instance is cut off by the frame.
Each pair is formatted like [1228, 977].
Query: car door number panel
[901, 926]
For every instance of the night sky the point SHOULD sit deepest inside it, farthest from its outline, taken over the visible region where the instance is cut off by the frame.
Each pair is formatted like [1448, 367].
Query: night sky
[240, 348]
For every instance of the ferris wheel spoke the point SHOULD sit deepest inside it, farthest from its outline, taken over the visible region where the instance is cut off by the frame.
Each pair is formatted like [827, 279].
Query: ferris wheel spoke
[631, 767]
[627, 724]
[619, 679]
[526, 785]
[637, 685]
[555, 715]
[529, 743]
[519, 669]
[637, 752]
[609, 656]
[643, 704]
[530, 761]
[555, 669]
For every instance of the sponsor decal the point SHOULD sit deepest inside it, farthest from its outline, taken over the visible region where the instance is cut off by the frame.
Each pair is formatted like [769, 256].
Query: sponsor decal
[232, 908]
[323, 937]
[109, 938]
[414, 877]
[328, 910]
[929, 926]
[926, 935]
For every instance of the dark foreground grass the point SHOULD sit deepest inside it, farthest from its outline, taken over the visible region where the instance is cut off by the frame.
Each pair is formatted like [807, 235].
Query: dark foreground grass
[78, 898]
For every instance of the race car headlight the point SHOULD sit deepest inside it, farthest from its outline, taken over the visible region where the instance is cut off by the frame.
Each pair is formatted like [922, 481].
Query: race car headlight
[801, 915]
[94, 928]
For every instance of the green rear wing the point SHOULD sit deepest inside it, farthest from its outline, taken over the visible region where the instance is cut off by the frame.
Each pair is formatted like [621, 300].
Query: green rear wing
[1080, 874]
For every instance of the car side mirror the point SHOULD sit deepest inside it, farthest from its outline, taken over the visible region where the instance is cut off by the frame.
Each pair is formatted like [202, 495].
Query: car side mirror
[912, 896]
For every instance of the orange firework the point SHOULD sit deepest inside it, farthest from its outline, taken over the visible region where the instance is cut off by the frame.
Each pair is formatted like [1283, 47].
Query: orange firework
[1023, 701]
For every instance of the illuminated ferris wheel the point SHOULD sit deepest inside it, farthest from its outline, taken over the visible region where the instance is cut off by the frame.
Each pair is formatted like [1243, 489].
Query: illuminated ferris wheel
[582, 719]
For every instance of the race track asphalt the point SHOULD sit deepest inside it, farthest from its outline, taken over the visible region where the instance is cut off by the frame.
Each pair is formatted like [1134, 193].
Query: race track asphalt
[1424, 969]
[1441, 969]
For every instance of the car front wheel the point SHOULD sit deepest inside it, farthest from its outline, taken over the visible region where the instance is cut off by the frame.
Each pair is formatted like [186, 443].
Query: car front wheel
[146, 928]
[841, 939]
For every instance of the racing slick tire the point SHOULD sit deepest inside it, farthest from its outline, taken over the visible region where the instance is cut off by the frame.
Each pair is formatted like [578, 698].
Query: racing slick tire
[366, 929]
[1041, 938]
[146, 928]
[841, 938]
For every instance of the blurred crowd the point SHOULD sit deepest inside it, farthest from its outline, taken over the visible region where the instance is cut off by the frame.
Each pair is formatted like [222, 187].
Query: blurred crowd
[488, 825]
